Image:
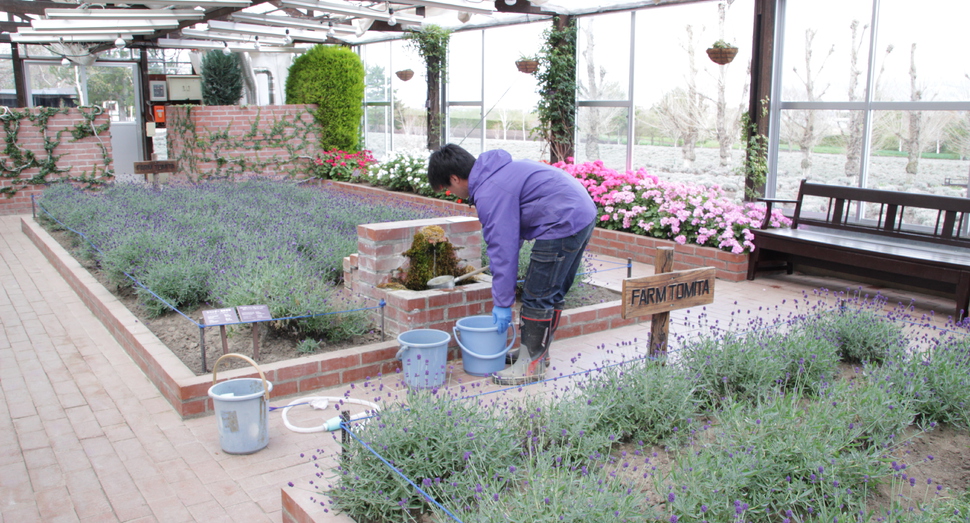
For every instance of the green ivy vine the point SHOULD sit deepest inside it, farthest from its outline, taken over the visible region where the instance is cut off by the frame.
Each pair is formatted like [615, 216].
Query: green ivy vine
[19, 159]
[556, 77]
[221, 148]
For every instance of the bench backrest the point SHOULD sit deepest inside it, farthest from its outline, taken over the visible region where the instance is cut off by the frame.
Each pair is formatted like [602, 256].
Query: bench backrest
[951, 214]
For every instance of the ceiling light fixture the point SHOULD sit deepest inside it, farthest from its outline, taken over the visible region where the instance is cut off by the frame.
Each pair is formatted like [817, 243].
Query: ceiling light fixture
[510, 2]
[120, 42]
[256, 44]
[331, 32]
[65, 61]
[392, 20]
[225, 49]
[288, 40]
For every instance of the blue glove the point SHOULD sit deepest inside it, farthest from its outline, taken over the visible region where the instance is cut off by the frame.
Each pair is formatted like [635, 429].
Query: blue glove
[502, 317]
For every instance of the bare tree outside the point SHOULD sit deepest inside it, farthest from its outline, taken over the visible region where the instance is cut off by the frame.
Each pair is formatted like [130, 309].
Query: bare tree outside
[853, 145]
[912, 142]
[596, 120]
[725, 131]
[682, 111]
[811, 129]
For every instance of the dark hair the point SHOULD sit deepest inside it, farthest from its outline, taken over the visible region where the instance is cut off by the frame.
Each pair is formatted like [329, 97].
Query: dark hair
[449, 159]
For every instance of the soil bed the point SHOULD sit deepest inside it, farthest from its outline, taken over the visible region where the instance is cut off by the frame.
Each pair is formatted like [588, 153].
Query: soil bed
[181, 336]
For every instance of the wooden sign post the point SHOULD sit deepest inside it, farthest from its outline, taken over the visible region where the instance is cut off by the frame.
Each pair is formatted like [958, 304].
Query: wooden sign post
[211, 318]
[663, 292]
[254, 314]
[154, 168]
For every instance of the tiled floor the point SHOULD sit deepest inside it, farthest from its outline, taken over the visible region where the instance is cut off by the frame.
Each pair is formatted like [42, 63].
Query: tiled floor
[84, 436]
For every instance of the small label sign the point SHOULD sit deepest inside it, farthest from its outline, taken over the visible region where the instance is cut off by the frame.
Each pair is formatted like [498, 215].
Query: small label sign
[254, 313]
[156, 166]
[219, 317]
[668, 291]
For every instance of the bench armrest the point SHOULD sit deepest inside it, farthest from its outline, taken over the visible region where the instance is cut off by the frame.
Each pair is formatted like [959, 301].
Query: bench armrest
[768, 204]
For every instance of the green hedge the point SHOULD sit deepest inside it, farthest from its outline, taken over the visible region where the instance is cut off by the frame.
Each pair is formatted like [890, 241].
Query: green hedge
[333, 78]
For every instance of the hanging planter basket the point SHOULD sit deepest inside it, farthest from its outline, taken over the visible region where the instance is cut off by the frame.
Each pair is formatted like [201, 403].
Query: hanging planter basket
[405, 75]
[722, 55]
[527, 66]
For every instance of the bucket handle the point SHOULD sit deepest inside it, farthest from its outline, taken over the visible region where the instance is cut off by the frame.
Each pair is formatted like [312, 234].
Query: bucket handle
[474, 354]
[215, 370]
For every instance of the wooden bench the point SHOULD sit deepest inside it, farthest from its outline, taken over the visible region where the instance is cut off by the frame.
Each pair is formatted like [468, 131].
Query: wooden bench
[878, 244]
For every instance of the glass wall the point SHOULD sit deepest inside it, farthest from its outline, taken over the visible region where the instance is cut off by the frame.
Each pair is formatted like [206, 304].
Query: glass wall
[688, 108]
[899, 125]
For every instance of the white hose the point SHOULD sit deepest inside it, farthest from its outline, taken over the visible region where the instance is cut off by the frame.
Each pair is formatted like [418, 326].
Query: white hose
[322, 402]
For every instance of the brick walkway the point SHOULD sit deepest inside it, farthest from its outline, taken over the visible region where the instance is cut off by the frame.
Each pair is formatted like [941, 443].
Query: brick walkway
[84, 436]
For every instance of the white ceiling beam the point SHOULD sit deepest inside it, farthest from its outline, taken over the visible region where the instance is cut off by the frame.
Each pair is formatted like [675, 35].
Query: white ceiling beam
[125, 14]
[216, 26]
[158, 4]
[223, 37]
[285, 21]
[70, 26]
[83, 32]
[48, 38]
[482, 8]
[180, 43]
[350, 10]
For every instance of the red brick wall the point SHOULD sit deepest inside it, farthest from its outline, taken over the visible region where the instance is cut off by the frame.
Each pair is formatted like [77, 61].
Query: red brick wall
[80, 158]
[270, 140]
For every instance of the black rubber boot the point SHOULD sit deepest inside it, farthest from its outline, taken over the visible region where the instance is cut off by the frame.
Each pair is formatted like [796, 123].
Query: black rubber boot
[512, 354]
[536, 335]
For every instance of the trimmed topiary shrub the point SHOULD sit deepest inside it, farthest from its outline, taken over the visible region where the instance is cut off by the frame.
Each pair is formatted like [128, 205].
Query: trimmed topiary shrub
[221, 78]
[333, 78]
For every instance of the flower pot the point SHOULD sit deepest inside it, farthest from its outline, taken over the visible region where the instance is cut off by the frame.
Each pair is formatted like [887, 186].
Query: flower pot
[722, 55]
[405, 75]
[527, 66]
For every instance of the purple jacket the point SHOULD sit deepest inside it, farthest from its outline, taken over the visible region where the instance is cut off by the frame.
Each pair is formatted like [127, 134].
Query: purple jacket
[523, 200]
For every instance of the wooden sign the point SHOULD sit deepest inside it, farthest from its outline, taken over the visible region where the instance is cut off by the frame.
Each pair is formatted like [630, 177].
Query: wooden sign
[156, 166]
[663, 292]
[668, 291]
[253, 313]
[214, 317]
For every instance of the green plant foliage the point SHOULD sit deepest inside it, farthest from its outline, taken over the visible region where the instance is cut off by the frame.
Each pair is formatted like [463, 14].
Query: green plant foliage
[431, 255]
[431, 43]
[755, 145]
[861, 336]
[556, 78]
[230, 244]
[459, 452]
[332, 77]
[221, 78]
[938, 379]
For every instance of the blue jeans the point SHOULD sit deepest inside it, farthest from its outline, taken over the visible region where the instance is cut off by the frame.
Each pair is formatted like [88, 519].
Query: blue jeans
[552, 268]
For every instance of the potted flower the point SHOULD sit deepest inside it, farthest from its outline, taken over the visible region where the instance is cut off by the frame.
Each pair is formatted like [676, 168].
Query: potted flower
[527, 64]
[722, 52]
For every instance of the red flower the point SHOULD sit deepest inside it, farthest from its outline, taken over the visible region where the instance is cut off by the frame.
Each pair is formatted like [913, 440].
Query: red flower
[447, 193]
[458, 200]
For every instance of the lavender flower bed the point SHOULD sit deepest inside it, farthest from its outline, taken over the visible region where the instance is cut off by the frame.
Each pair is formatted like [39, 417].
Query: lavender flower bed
[820, 416]
[228, 244]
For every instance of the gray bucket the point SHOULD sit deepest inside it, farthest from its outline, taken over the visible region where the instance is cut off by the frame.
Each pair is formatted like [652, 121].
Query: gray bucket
[424, 353]
[242, 410]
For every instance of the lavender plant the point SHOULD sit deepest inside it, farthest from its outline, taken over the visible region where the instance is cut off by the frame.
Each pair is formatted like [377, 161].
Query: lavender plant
[229, 244]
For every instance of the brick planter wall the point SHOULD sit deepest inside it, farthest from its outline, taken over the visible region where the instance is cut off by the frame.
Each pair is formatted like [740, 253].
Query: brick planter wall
[78, 157]
[730, 266]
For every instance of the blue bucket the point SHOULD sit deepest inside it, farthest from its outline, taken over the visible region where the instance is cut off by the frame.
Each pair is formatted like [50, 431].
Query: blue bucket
[483, 347]
[242, 410]
[425, 356]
